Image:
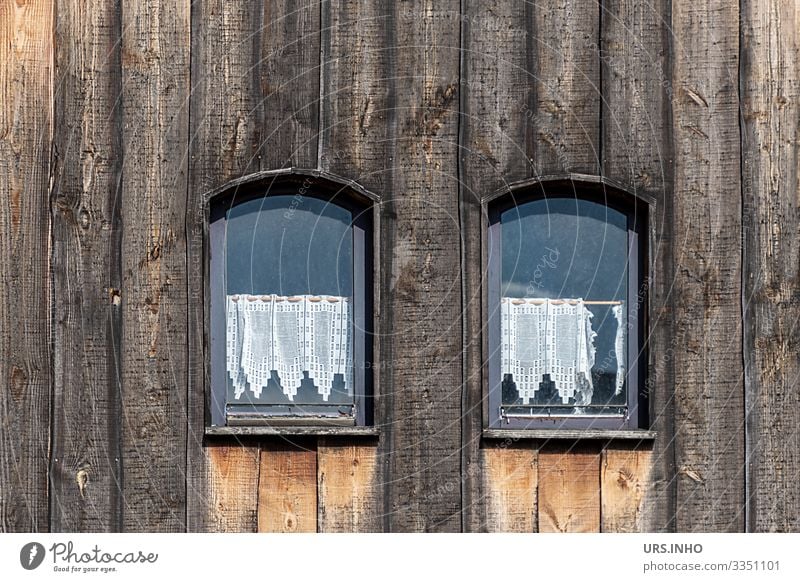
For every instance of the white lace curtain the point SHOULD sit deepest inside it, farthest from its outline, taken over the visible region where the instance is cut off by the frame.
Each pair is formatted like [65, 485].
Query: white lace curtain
[554, 336]
[288, 336]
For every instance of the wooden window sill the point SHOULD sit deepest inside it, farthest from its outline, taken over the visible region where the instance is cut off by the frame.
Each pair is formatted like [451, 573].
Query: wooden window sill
[242, 431]
[569, 434]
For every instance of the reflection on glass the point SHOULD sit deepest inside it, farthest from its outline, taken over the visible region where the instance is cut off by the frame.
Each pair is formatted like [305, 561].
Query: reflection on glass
[565, 249]
[289, 286]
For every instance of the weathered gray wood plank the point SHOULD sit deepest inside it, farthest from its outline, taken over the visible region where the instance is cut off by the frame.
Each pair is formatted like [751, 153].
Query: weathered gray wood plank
[495, 116]
[709, 407]
[225, 104]
[637, 153]
[85, 471]
[564, 105]
[287, 69]
[770, 92]
[155, 75]
[356, 132]
[26, 62]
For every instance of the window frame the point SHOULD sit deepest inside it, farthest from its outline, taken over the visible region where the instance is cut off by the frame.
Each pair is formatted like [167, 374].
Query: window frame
[365, 228]
[639, 208]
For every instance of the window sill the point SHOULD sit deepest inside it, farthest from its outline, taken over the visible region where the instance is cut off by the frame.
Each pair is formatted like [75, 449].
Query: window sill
[569, 434]
[344, 431]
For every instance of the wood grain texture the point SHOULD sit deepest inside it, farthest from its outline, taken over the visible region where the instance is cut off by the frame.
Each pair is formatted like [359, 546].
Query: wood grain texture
[232, 488]
[85, 473]
[347, 479]
[564, 104]
[155, 74]
[287, 69]
[569, 489]
[287, 488]
[770, 89]
[26, 68]
[225, 123]
[422, 334]
[510, 475]
[637, 153]
[625, 476]
[709, 407]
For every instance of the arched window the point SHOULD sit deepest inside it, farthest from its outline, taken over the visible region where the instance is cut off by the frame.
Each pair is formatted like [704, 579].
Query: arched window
[291, 302]
[567, 307]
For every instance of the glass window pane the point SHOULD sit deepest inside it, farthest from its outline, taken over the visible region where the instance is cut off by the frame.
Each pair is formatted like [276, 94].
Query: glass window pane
[572, 356]
[289, 289]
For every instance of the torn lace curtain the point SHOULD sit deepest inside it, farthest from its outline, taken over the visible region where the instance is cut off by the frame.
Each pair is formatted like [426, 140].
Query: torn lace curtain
[289, 336]
[554, 336]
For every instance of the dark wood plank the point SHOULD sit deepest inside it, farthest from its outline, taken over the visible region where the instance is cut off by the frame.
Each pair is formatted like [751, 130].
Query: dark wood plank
[496, 87]
[155, 75]
[225, 140]
[356, 142]
[85, 472]
[569, 489]
[564, 105]
[770, 93]
[347, 478]
[287, 66]
[625, 476]
[709, 408]
[637, 153]
[287, 488]
[26, 68]
[421, 295]
[510, 474]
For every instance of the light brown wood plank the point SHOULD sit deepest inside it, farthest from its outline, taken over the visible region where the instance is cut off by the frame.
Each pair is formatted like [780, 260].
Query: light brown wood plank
[624, 484]
[771, 105]
[347, 474]
[637, 153]
[287, 489]
[707, 287]
[155, 117]
[511, 487]
[26, 68]
[569, 489]
[232, 502]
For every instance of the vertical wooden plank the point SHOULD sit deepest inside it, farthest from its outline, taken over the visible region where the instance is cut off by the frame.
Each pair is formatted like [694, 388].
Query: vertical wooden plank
[287, 489]
[356, 131]
[624, 486]
[422, 286]
[511, 485]
[225, 141]
[155, 74]
[564, 133]
[770, 87]
[26, 69]
[85, 471]
[637, 153]
[709, 408]
[232, 494]
[347, 478]
[288, 70]
[495, 84]
[569, 489]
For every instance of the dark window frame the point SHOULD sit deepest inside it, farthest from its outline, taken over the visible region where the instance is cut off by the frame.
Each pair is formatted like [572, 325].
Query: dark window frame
[639, 209]
[309, 183]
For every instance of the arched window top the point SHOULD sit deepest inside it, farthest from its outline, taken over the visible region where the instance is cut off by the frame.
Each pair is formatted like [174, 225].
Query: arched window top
[566, 290]
[291, 285]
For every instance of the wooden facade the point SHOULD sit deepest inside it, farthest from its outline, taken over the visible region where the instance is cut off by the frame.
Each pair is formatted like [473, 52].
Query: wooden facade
[118, 117]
